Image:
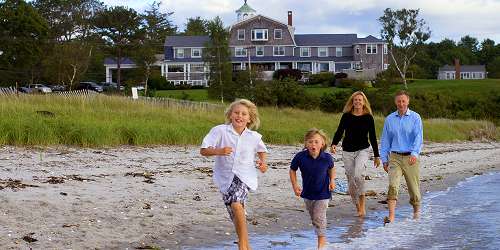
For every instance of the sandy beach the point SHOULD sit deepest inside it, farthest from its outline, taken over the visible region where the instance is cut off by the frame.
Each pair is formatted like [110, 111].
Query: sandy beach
[164, 197]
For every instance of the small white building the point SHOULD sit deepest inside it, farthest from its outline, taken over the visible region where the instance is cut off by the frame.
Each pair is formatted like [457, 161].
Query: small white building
[448, 72]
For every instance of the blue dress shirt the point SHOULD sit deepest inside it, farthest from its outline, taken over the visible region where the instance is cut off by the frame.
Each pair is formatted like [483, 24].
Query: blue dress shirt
[401, 134]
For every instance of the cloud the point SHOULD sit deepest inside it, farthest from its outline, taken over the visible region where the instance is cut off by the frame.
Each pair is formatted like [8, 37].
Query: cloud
[446, 18]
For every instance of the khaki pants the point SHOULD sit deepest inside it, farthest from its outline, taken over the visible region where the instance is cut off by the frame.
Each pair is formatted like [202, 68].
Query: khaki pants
[355, 168]
[398, 166]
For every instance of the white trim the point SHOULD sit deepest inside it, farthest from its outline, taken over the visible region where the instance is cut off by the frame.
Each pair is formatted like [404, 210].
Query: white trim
[372, 45]
[265, 34]
[326, 50]
[176, 55]
[242, 49]
[337, 52]
[308, 51]
[274, 50]
[197, 49]
[263, 51]
[281, 31]
[238, 35]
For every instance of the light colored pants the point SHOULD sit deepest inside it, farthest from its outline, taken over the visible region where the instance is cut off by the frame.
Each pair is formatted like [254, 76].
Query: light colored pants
[398, 166]
[317, 211]
[355, 167]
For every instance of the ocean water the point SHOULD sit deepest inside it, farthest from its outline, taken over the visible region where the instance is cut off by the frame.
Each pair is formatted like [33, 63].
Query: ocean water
[466, 216]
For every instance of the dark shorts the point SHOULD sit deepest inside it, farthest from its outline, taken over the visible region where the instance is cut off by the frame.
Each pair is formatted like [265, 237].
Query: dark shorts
[237, 192]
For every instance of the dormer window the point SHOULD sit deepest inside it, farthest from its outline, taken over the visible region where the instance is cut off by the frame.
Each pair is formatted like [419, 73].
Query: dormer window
[259, 35]
[278, 34]
[241, 34]
[371, 49]
[322, 51]
[338, 51]
[179, 53]
[196, 53]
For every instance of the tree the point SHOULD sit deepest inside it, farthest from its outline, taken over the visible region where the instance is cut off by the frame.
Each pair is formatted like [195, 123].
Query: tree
[23, 35]
[196, 27]
[404, 33]
[118, 27]
[494, 68]
[155, 27]
[217, 57]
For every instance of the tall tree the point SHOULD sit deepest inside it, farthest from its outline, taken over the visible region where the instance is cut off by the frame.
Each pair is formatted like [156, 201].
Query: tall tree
[196, 27]
[217, 57]
[23, 34]
[404, 32]
[118, 27]
[154, 28]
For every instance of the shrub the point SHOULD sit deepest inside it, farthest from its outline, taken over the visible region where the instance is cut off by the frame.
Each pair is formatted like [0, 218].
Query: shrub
[323, 78]
[281, 74]
[159, 83]
[334, 102]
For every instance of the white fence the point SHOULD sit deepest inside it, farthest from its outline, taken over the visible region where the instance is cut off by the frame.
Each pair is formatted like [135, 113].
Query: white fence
[176, 103]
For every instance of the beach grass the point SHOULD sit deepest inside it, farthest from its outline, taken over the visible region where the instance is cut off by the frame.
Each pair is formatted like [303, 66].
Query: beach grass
[102, 121]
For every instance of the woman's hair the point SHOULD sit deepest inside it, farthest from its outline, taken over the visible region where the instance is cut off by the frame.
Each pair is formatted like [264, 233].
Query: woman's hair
[348, 108]
[314, 131]
[252, 110]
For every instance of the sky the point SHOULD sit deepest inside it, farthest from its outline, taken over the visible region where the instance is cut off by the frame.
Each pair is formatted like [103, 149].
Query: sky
[450, 19]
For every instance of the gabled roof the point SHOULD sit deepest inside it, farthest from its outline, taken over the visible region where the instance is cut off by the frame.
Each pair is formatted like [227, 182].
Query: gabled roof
[464, 68]
[325, 39]
[186, 41]
[290, 28]
[124, 60]
[369, 39]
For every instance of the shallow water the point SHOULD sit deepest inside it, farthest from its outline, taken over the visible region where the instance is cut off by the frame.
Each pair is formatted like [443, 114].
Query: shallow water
[466, 216]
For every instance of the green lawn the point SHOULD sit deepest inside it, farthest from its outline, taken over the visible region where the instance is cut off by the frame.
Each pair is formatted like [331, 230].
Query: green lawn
[199, 95]
[454, 87]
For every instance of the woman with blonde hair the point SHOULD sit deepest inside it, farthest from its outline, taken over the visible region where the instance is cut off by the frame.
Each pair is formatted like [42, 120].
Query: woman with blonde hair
[358, 124]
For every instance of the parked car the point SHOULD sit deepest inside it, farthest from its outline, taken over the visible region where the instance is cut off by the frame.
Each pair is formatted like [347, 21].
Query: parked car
[90, 86]
[25, 90]
[56, 88]
[40, 88]
[111, 86]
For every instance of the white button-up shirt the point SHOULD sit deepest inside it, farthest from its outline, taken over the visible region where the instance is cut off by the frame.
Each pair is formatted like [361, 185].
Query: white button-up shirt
[241, 162]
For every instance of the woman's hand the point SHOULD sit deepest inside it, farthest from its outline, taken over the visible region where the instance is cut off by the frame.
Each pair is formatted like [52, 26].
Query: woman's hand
[333, 149]
[376, 162]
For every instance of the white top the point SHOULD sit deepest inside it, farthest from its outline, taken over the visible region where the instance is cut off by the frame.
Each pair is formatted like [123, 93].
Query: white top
[241, 162]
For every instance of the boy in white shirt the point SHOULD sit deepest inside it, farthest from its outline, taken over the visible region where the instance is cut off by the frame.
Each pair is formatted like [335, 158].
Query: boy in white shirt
[235, 147]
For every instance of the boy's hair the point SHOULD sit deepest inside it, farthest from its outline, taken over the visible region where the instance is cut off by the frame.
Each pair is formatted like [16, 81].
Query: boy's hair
[252, 110]
[314, 131]
[349, 106]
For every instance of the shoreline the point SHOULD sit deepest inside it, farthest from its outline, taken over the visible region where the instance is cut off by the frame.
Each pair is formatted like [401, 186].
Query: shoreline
[164, 197]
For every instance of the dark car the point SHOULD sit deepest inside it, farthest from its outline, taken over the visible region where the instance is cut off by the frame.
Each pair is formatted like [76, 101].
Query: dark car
[58, 88]
[111, 86]
[90, 86]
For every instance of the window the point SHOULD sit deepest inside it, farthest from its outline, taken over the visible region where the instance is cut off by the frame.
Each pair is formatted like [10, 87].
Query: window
[322, 52]
[357, 65]
[338, 51]
[323, 67]
[386, 66]
[240, 52]
[259, 50]
[179, 53]
[385, 49]
[357, 50]
[196, 53]
[305, 52]
[278, 34]
[304, 66]
[241, 34]
[371, 49]
[259, 35]
[279, 51]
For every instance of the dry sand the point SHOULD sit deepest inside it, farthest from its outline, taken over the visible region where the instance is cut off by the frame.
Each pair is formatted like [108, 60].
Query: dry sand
[135, 197]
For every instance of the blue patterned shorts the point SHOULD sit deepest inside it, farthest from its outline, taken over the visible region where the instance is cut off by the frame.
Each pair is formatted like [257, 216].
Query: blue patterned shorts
[237, 192]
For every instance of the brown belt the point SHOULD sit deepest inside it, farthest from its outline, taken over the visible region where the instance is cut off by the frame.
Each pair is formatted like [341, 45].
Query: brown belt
[401, 153]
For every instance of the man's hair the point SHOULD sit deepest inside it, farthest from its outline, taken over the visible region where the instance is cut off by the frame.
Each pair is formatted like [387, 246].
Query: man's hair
[402, 92]
[252, 110]
[314, 131]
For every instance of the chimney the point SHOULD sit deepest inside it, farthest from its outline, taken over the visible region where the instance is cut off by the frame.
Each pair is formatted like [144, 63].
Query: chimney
[290, 17]
[457, 68]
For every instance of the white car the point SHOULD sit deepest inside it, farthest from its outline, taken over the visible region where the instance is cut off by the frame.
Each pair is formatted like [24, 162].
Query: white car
[40, 88]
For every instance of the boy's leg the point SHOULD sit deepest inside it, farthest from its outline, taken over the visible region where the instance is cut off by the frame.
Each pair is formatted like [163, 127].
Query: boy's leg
[240, 224]
[317, 210]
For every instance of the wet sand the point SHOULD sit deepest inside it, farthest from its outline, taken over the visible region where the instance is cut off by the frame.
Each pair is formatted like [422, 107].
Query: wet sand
[136, 197]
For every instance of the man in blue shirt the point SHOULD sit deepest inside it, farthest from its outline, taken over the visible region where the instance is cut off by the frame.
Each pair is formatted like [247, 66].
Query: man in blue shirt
[401, 144]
